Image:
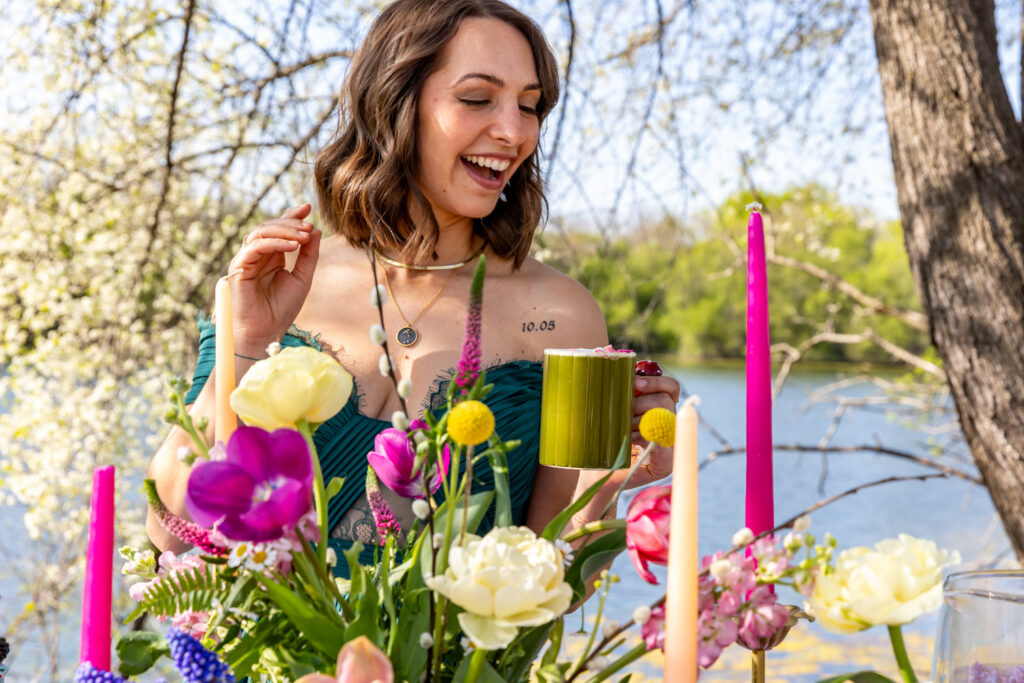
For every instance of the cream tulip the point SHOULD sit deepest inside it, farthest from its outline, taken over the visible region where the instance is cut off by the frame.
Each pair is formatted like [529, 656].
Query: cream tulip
[299, 382]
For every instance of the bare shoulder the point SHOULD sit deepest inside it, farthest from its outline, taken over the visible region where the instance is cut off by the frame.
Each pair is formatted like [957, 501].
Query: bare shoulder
[556, 310]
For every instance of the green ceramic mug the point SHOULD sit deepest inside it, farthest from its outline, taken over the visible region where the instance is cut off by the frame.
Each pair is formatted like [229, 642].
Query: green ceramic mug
[586, 406]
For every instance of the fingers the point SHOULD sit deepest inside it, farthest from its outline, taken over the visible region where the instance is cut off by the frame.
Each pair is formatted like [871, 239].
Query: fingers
[305, 264]
[271, 239]
[654, 385]
[297, 211]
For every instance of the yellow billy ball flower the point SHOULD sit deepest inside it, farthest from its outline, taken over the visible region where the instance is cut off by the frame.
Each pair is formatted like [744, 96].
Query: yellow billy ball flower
[659, 425]
[470, 423]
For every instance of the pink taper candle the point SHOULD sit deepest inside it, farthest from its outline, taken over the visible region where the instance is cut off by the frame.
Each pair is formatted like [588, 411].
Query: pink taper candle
[225, 421]
[681, 595]
[760, 500]
[99, 566]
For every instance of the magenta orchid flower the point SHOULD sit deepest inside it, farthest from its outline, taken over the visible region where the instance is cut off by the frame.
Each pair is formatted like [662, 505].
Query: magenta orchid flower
[393, 457]
[647, 522]
[261, 489]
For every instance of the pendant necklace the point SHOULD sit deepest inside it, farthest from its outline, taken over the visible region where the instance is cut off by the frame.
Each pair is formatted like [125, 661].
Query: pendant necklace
[407, 336]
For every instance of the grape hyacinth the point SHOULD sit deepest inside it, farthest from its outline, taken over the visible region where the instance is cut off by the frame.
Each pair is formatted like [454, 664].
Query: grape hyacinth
[469, 363]
[186, 531]
[194, 662]
[87, 673]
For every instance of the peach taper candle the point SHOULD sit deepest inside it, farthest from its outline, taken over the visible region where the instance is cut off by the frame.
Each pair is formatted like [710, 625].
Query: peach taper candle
[681, 596]
[225, 421]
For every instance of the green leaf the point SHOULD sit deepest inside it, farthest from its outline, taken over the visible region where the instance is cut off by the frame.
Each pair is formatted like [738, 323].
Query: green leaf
[858, 677]
[552, 673]
[518, 657]
[137, 651]
[321, 632]
[499, 468]
[555, 527]
[242, 587]
[555, 636]
[366, 622]
[407, 657]
[590, 558]
[487, 673]
[334, 487]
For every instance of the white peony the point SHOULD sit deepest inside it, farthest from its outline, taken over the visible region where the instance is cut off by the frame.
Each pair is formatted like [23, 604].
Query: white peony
[892, 584]
[507, 579]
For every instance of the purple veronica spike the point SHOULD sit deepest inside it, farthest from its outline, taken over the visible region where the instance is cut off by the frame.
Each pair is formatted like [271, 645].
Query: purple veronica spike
[393, 458]
[469, 363]
[87, 673]
[195, 663]
[262, 488]
[387, 524]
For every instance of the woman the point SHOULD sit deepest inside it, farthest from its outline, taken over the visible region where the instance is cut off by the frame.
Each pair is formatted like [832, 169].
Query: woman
[436, 158]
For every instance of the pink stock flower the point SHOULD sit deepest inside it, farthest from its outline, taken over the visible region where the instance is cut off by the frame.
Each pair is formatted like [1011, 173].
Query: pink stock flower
[393, 458]
[715, 632]
[647, 522]
[182, 529]
[653, 631]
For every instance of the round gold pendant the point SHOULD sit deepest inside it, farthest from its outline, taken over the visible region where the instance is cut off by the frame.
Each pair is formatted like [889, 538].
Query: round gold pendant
[406, 336]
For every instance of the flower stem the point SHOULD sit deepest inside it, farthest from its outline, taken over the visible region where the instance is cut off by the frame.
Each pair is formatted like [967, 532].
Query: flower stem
[585, 656]
[593, 527]
[476, 664]
[319, 491]
[900, 650]
[757, 666]
[622, 662]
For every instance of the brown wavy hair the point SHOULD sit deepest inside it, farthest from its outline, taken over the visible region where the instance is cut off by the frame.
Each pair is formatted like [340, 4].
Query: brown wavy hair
[366, 177]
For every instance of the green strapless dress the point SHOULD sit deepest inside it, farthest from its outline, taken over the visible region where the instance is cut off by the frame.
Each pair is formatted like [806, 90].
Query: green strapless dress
[343, 441]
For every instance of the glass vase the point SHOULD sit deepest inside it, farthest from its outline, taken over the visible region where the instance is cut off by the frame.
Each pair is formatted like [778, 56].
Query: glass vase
[981, 628]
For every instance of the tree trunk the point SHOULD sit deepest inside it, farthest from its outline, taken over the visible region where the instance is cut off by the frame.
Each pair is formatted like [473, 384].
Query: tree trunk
[958, 154]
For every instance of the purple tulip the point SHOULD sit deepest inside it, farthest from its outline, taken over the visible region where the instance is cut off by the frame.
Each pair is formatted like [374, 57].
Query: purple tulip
[393, 457]
[260, 490]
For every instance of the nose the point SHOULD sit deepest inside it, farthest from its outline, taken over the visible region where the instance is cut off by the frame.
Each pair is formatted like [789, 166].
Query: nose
[508, 126]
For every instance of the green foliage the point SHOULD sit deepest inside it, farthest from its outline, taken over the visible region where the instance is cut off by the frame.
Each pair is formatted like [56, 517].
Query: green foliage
[195, 589]
[670, 288]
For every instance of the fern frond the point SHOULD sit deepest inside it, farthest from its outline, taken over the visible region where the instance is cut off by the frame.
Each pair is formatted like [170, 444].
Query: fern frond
[195, 589]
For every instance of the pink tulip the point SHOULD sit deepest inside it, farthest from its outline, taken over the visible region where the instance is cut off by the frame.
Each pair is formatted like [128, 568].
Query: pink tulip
[361, 662]
[317, 678]
[647, 522]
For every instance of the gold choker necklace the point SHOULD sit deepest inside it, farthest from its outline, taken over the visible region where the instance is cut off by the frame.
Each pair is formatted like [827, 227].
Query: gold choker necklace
[415, 266]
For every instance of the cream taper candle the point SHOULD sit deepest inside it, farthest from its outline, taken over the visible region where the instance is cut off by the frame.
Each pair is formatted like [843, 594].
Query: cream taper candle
[681, 596]
[225, 421]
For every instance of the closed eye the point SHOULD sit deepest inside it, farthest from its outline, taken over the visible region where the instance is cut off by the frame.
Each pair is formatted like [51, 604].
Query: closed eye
[473, 103]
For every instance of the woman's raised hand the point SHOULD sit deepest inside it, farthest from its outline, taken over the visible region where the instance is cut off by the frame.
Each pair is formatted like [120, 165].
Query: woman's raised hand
[653, 392]
[266, 296]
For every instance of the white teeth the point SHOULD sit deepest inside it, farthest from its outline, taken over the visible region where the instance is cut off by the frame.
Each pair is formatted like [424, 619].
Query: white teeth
[495, 164]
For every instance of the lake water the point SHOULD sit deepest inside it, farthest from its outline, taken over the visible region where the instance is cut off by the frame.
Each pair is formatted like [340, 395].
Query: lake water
[953, 513]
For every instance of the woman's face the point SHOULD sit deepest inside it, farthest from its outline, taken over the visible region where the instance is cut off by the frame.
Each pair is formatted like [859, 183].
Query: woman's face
[476, 120]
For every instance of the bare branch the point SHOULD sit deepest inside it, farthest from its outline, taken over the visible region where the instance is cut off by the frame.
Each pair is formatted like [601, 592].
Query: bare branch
[881, 450]
[165, 188]
[912, 318]
[216, 260]
[571, 48]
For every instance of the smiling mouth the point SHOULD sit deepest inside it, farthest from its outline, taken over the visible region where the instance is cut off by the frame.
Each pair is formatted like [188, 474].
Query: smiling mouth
[492, 168]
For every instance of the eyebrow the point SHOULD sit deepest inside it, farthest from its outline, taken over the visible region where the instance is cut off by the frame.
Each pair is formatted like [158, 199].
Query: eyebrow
[494, 80]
